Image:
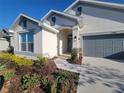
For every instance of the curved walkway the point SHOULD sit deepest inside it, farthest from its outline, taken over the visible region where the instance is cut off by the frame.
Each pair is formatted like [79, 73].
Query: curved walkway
[97, 75]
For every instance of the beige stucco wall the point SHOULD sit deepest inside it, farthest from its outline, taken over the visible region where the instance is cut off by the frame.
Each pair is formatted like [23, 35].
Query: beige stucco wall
[49, 43]
[62, 23]
[38, 42]
[3, 44]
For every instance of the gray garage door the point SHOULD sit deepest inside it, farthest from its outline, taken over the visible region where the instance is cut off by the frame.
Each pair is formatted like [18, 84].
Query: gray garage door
[109, 46]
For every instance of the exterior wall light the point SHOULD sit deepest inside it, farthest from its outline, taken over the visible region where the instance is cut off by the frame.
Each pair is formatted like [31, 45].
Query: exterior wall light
[75, 37]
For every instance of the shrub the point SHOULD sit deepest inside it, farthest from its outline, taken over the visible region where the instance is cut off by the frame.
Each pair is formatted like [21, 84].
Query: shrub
[29, 81]
[63, 75]
[60, 76]
[74, 55]
[65, 87]
[10, 50]
[16, 59]
[9, 74]
[23, 61]
[7, 56]
[63, 82]
[54, 87]
[45, 82]
[42, 60]
[2, 66]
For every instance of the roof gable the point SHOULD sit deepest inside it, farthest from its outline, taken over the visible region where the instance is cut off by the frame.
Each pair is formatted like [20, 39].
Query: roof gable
[54, 12]
[22, 16]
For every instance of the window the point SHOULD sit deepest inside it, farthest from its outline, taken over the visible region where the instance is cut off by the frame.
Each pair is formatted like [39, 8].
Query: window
[26, 41]
[53, 20]
[30, 41]
[79, 11]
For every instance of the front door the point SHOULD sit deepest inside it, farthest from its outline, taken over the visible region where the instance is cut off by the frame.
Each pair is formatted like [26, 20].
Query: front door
[69, 48]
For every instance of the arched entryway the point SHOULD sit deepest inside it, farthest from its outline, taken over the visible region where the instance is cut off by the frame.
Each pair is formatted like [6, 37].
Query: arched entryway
[64, 41]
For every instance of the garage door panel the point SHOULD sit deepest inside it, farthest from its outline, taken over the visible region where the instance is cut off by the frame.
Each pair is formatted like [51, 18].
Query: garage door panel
[118, 42]
[98, 42]
[89, 52]
[108, 49]
[117, 50]
[104, 46]
[117, 45]
[107, 42]
[99, 52]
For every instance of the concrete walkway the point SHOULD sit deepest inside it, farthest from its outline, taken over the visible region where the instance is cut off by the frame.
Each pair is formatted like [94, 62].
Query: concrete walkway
[97, 75]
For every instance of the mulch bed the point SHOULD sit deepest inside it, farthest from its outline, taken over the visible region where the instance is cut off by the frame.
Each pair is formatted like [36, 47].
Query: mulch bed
[47, 70]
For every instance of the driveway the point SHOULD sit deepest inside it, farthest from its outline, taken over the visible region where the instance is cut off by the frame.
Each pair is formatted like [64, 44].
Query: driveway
[97, 75]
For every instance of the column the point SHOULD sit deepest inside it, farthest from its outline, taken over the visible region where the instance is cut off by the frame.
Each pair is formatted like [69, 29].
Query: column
[76, 37]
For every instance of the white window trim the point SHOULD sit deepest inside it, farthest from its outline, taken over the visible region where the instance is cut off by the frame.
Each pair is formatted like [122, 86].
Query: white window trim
[19, 42]
[26, 43]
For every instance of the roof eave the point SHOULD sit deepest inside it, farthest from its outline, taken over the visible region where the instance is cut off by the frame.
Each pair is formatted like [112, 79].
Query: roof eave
[99, 3]
[46, 26]
[103, 33]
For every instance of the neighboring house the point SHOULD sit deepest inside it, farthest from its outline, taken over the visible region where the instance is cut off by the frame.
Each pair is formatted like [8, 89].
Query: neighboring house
[6, 39]
[95, 27]
[3, 44]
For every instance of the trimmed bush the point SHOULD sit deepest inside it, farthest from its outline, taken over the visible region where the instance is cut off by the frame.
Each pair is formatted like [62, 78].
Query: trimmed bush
[74, 55]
